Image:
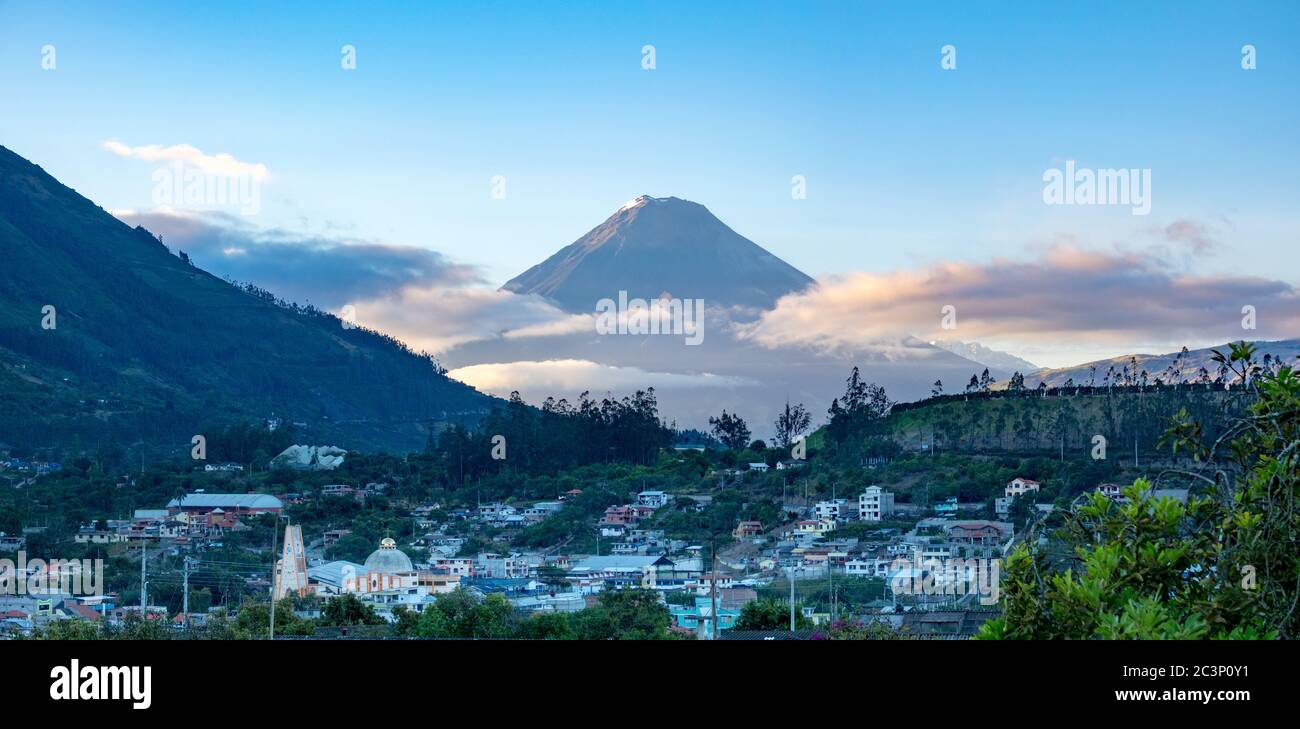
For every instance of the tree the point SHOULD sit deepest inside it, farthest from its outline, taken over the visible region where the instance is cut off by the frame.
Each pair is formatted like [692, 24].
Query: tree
[624, 615]
[937, 390]
[791, 423]
[1017, 382]
[770, 614]
[856, 414]
[345, 610]
[1223, 565]
[731, 430]
[548, 626]
[458, 614]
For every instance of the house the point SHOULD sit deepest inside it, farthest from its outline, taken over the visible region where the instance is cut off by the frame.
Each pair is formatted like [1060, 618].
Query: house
[815, 529]
[748, 529]
[831, 510]
[1020, 486]
[703, 585]
[760, 467]
[618, 516]
[1111, 490]
[698, 617]
[875, 504]
[498, 566]
[459, 566]
[789, 464]
[1016, 487]
[868, 567]
[653, 499]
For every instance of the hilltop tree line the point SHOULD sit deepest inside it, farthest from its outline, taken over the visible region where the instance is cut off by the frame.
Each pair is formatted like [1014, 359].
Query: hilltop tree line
[558, 436]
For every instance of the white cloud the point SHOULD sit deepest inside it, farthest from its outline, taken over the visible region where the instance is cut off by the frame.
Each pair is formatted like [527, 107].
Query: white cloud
[213, 164]
[572, 375]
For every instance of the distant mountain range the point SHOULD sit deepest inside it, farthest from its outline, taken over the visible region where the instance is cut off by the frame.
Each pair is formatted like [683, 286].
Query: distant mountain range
[139, 343]
[1180, 366]
[993, 359]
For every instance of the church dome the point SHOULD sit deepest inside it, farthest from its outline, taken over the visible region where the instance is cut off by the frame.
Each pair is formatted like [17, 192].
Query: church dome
[388, 559]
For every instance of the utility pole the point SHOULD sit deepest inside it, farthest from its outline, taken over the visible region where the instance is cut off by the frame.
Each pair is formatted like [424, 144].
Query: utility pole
[144, 584]
[185, 595]
[791, 573]
[713, 586]
[830, 588]
[275, 528]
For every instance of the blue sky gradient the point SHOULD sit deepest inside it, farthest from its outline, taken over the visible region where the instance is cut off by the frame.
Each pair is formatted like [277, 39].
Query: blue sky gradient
[906, 163]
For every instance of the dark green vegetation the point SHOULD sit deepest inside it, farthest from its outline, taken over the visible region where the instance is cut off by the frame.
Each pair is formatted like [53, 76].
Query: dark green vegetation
[145, 347]
[1222, 566]
[618, 615]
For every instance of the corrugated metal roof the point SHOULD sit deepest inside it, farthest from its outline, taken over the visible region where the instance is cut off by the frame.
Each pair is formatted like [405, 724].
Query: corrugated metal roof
[332, 573]
[617, 562]
[226, 501]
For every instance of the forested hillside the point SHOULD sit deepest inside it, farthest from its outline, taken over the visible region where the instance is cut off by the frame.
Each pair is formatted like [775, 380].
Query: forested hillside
[105, 335]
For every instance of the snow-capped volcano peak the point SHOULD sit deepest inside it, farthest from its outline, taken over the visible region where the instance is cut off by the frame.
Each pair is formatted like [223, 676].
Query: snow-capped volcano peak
[656, 244]
[635, 202]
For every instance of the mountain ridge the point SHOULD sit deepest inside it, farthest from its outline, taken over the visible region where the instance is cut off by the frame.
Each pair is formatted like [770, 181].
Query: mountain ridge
[160, 345]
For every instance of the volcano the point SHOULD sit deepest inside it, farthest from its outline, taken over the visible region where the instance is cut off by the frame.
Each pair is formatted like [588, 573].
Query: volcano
[661, 245]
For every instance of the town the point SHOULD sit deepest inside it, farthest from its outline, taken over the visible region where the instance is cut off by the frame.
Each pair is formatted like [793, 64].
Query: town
[802, 563]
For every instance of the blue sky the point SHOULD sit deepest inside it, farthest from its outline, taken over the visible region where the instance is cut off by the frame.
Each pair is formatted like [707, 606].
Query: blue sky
[906, 164]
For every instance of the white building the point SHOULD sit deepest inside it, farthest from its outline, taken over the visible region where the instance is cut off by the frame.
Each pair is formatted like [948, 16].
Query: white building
[875, 504]
[1015, 487]
[1020, 486]
[653, 499]
[832, 510]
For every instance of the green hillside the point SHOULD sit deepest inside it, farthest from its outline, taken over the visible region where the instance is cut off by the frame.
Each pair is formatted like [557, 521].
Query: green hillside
[1028, 423]
[145, 346]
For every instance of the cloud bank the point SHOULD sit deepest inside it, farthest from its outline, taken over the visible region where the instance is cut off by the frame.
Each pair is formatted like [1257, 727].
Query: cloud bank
[1066, 294]
[570, 375]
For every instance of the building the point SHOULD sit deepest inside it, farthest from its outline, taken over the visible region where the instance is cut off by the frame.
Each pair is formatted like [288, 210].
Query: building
[291, 569]
[200, 502]
[622, 571]
[653, 499]
[459, 566]
[1016, 487]
[1110, 490]
[760, 467]
[1021, 486]
[501, 567]
[947, 507]
[832, 510]
[748, 530]
[875, 504]
[698, 616]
